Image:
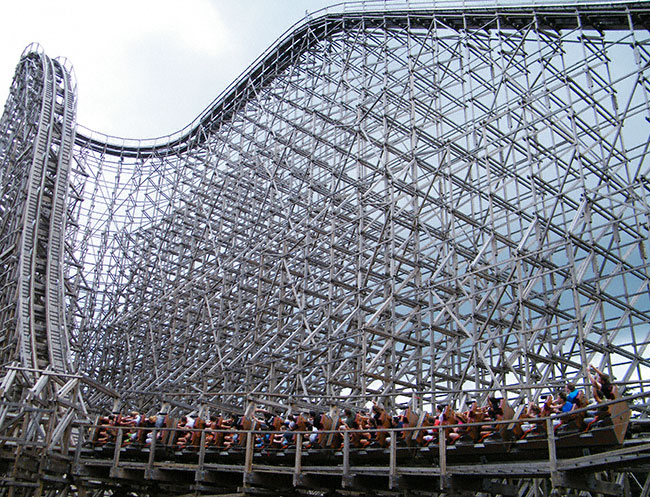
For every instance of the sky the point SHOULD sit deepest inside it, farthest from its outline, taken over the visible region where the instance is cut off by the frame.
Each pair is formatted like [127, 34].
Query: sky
[146, 68]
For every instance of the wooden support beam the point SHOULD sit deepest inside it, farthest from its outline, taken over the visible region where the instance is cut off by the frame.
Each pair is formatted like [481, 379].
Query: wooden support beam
[442, 458]
[297, 466]
[152, 454]
[392, 463]
[588, 482]
[346, 477]
[552, 451]
[116, 451]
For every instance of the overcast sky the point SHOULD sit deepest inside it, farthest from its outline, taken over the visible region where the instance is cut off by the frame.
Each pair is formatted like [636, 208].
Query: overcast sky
[146, 68]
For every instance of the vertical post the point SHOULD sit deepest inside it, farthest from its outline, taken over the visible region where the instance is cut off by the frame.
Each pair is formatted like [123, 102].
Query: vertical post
[248, 462]
[297, 467]
[116, 453]
[442, 456]
[199, 476]
[392, 472]
[152, 455]
[76, 465]
[65, 441]
[77, 449]
[346, 459]
[552, 454]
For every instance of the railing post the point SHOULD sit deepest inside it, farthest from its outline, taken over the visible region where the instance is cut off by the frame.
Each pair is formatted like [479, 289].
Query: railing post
[152, 455]
[77, 449]
[442, 457]
[248, 461]
[199, 476]
[346, 459]
[552, 454]
[116, 453]
[297, 467]
[392, 471]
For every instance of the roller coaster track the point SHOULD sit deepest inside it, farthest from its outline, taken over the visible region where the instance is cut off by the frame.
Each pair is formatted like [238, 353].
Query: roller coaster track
[305, 35]
[362, 301]
[413, 206]
[40, 309]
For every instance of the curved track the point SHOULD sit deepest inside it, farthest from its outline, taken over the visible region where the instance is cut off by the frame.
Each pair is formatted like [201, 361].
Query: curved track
[413, 207]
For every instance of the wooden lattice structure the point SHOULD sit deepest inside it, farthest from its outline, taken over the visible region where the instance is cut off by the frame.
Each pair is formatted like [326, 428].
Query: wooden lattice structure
[424, 204]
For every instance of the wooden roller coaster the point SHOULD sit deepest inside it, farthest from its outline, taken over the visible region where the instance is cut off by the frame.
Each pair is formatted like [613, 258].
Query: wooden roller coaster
[412, 204]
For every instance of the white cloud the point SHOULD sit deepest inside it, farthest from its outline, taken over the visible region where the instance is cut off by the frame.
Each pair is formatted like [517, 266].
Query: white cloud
[195, 25]
[145, 68]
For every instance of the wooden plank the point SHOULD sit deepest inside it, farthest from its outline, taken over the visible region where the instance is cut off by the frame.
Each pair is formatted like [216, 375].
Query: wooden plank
[346, 458]
[116, 452]
[392, 465]
[442, 456]
[297, 467]
[552, 453]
